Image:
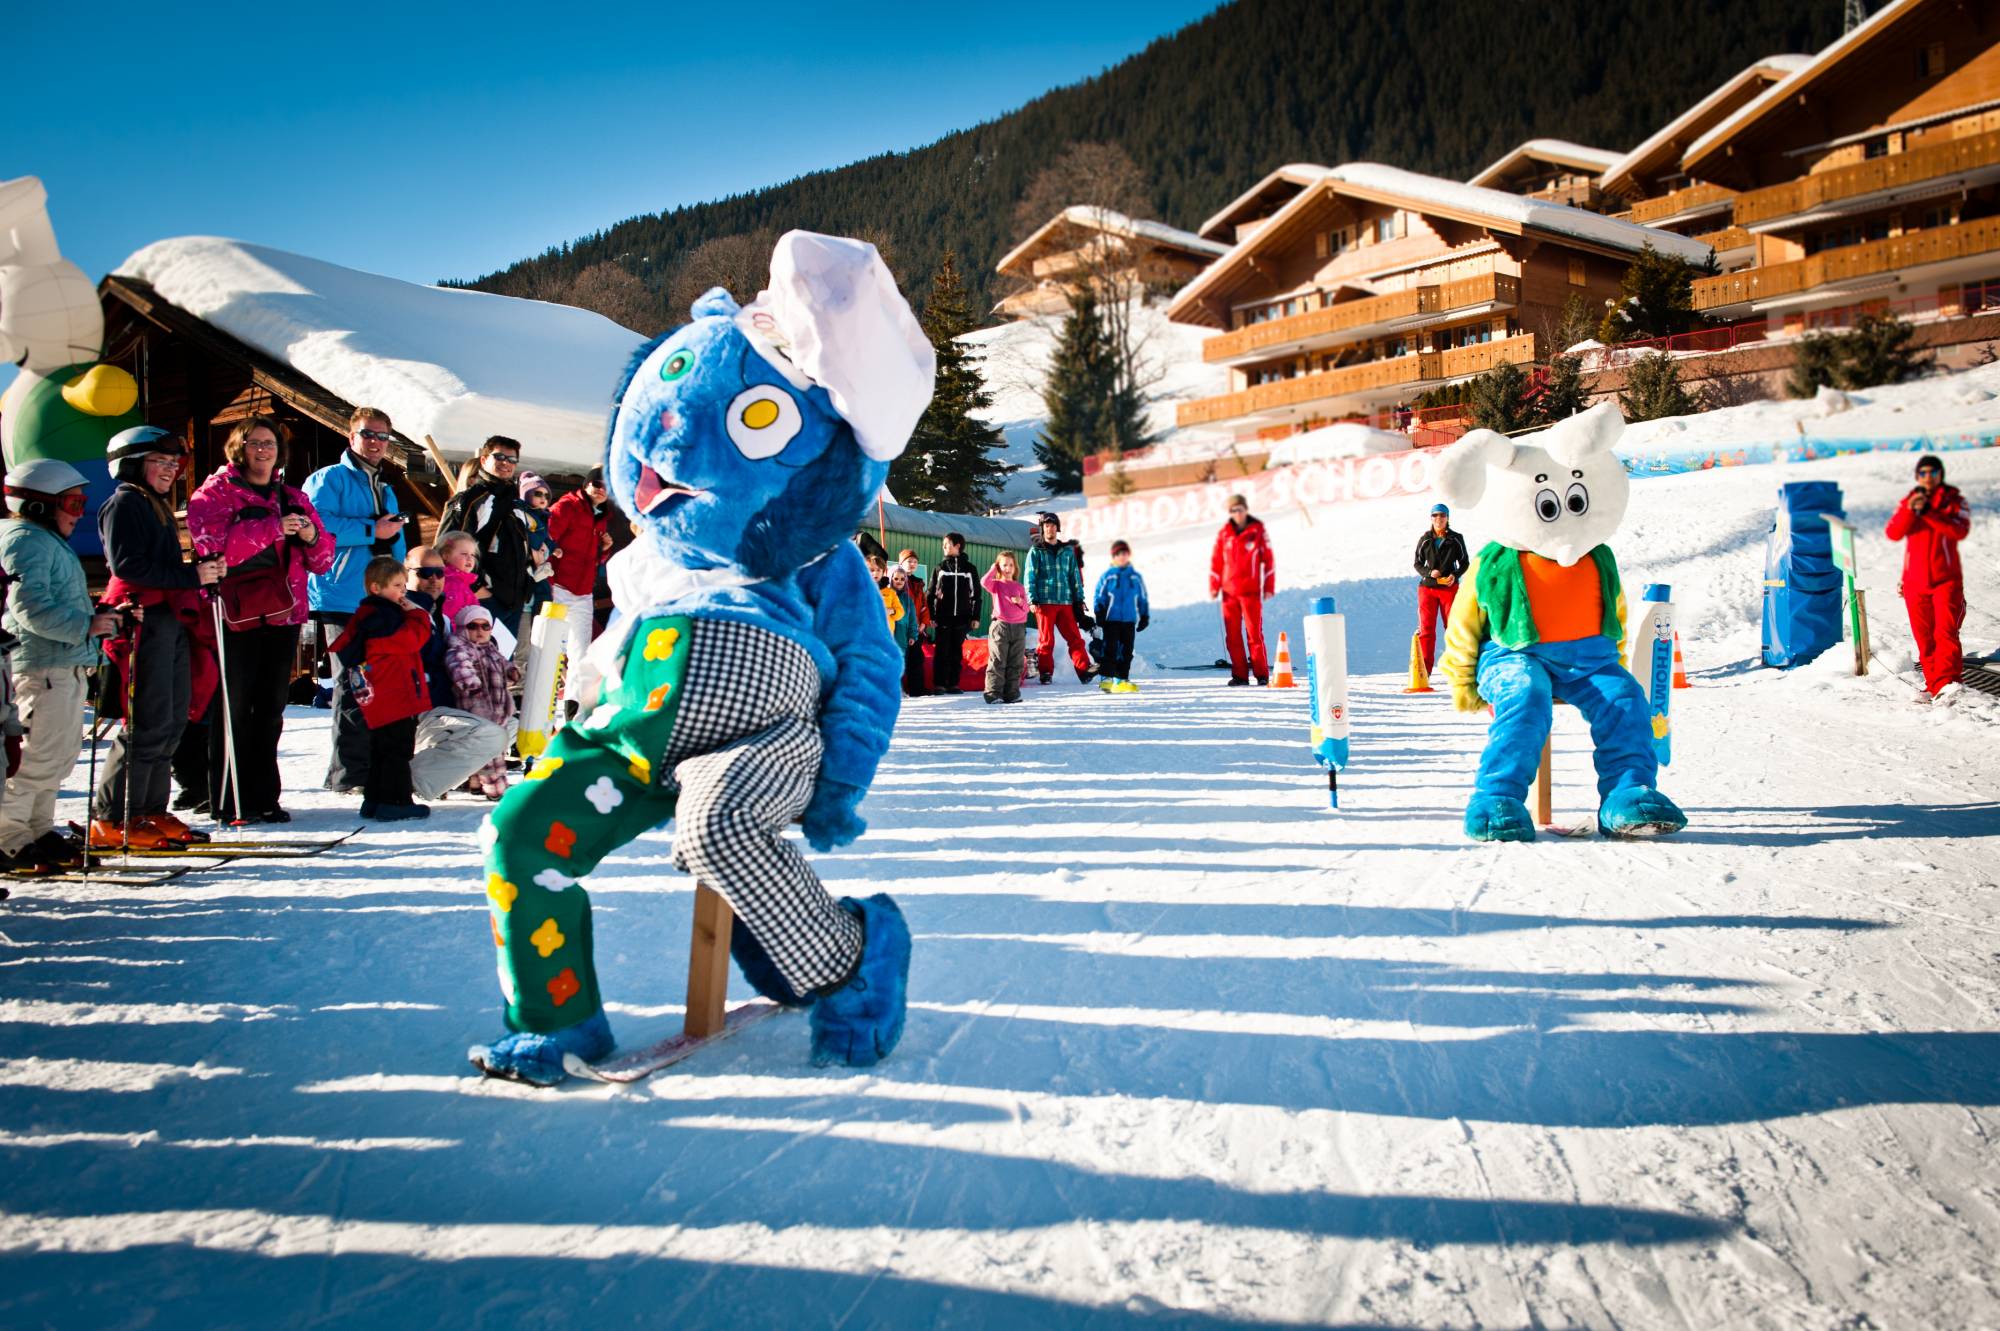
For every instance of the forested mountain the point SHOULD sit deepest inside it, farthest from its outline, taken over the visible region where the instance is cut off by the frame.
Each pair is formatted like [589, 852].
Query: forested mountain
[1443, 86]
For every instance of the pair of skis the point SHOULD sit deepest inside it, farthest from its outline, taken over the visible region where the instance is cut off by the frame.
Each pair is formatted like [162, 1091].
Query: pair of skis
[108, 867]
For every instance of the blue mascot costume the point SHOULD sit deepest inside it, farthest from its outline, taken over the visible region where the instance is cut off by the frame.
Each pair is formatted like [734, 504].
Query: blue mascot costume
[748, 680]
[1540, 615]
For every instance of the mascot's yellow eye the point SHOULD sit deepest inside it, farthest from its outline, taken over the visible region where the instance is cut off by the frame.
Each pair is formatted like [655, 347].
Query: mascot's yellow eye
[762, 420]
[676, 365]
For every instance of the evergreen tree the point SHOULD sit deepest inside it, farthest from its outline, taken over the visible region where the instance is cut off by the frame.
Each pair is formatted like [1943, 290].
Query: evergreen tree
[1498, 399]
[1878, 351]
[949, 464]
[1078, 399]
[1653, 389]
[1655, 299]
[1563, 394]
[1815, 365]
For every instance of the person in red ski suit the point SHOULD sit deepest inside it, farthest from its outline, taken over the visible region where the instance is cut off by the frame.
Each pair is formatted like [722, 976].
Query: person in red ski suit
[1242, 573]
[1441, 561]
[1932, 519]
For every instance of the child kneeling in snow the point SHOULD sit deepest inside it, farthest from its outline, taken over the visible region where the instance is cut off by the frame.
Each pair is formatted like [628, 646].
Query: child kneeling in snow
[482, 679]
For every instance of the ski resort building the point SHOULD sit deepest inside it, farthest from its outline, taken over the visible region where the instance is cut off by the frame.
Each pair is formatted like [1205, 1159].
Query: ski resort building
[1258, 204]
[1372, 284]
[1555, 170]
[1868, 177]
[1089, 246]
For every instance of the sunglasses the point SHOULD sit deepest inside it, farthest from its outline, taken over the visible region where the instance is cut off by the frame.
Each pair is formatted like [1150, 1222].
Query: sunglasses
[427, 571]
[479, 626]
[1929, 471]
[503, 459]
[378, 436]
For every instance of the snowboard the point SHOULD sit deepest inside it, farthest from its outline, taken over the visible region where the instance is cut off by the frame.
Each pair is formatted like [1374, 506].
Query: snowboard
[638, 1064]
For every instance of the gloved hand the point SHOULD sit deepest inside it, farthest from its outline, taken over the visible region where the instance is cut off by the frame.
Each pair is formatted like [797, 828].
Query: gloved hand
[1083, 619]
[1270, 588]
[830, 820]
[1143, 621]
[1465, 698]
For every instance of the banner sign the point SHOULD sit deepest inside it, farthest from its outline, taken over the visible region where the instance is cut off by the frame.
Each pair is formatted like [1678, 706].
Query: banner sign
[1277, 490]
[1805, 448]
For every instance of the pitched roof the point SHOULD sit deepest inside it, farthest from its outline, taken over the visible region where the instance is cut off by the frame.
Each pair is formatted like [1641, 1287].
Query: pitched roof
[1297, 175]
[1435, 196]
[1560, 151]
[1771, 69]
[1093, 218]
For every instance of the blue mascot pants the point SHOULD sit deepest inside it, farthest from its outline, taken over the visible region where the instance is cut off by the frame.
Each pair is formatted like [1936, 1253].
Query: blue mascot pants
[1522, 686]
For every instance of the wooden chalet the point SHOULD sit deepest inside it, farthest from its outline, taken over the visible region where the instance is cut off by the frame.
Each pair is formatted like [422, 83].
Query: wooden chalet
[1552, 169]
[1085, 245]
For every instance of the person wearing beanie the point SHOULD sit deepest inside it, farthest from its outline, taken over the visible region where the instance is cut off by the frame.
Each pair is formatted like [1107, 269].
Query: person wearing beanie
[56, 636]
[953, 598]
[1932, 519]
[1122, 612]
[534, 505]
[1241, 573]
[482, 680]
[1441, 561]
[579, 542]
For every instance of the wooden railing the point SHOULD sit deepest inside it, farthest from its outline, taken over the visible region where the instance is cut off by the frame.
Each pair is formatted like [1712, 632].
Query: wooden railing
[1483, 289]
[1729, 238]
[1849, 261]
[1673, 201]
[1870, 177]
[1370, 375]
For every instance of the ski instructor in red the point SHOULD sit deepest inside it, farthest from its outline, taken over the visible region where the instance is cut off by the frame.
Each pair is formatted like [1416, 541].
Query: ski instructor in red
[1242, 574]
[1933, 518]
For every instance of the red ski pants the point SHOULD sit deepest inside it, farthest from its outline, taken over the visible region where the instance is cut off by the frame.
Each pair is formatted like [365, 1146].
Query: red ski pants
[1935, 616]
[1243, 627]
[1048, 619]
[1432, 601]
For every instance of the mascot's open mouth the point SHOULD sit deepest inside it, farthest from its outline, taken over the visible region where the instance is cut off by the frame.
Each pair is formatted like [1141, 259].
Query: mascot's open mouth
[651, 491]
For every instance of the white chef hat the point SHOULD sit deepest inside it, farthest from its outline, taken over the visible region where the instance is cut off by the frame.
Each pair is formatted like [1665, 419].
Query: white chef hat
[832, 316]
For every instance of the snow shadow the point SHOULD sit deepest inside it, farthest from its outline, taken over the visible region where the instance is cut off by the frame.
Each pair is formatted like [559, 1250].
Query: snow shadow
[1843, 822]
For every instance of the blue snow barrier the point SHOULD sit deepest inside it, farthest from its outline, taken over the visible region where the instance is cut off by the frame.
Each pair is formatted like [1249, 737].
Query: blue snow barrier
[1802, 588]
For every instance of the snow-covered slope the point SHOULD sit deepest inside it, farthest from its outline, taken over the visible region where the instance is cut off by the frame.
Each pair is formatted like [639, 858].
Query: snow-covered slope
[1014, 359]
[456, 365]
[1185, 1047]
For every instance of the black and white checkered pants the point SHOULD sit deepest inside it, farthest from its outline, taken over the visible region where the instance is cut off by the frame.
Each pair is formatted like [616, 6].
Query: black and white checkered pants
[744, 756]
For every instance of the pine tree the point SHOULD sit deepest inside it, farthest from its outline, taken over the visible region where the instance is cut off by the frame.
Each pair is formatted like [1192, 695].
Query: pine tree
[1563, 394]
[1497, 399]
[1815, 365]
[1078, 398]
[1655, 299]
[1878, 352]
[950, 464]
[1653, 389]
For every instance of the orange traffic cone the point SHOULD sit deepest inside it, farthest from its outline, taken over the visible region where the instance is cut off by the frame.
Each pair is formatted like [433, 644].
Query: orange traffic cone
[1281, 678]
[1420, 676]
[1680, 671]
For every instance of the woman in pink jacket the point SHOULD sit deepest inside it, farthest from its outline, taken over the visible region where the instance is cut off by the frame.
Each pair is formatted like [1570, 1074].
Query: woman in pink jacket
[271, 538]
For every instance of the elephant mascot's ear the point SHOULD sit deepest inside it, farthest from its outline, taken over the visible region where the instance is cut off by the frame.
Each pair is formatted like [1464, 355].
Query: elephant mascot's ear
[1461, 473]
[1583, 435]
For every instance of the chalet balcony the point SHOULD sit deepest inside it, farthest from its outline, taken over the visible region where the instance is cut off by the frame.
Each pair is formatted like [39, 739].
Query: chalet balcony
[1352, 320]
[1399, 372]
[1728, 238]
[1936, 245]
[1694, 198]
[1886, 176]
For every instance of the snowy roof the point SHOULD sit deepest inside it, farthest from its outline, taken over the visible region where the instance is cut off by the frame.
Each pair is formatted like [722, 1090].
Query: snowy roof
[1301, 174]
[1093, 218]
[456, 365]
[1781, 91]
[1433, 194]
[1560, 151]
[1771, 69]
[1005, 533]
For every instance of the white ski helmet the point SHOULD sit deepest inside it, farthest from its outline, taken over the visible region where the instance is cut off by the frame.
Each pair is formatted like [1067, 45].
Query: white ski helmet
[40, 482]
[139, 441]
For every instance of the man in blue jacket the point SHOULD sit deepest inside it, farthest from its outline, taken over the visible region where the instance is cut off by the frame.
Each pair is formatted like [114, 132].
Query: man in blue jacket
[357, 505]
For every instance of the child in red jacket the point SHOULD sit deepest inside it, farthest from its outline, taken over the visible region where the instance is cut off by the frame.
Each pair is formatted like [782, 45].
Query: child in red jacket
[1934, 518]
[384, 643]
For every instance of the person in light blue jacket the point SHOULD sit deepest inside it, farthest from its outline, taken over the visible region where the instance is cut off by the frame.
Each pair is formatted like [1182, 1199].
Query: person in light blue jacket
[357, 506]
[49, 611]
[1122, 612]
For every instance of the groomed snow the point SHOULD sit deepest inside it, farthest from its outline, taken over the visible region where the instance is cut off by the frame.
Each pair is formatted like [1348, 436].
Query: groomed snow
[456, 365]
[1185, 1047]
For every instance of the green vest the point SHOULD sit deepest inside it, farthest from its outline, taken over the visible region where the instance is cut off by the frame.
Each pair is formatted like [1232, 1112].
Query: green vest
[1503, 595]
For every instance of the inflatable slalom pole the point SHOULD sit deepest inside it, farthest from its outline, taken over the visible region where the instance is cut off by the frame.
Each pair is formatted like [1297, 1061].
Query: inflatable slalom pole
[542, 681]
[1655, 661]
[1325, 637]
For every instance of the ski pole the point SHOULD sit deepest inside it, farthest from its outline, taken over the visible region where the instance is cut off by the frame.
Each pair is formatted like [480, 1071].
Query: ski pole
[229, 773]
[131, 686]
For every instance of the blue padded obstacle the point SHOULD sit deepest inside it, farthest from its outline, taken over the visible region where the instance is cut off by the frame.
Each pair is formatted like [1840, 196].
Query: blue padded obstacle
[1802, 610]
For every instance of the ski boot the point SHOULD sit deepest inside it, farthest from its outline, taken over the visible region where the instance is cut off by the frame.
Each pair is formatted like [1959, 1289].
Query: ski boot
[1639, 811]
[859, 1022]
[537, 1060]
[1498, 818]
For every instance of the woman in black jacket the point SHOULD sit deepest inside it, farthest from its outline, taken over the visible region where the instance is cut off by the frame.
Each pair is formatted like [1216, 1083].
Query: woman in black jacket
[1441, 562]
[160, 590]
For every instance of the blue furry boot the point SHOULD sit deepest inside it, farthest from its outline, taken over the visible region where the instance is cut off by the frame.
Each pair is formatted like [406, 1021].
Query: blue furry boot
[1638, 811]
[760, 970]
[860, 1022]
[1497, 818]
[538, 1059]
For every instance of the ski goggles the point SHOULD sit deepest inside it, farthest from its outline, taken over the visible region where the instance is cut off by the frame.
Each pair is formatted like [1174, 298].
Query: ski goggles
[72, 502]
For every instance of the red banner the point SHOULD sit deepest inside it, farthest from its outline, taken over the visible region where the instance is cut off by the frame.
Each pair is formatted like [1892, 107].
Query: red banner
[1301, 485]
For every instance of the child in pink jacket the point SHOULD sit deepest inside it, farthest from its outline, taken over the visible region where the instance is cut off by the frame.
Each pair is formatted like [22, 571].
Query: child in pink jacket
[1007, 636]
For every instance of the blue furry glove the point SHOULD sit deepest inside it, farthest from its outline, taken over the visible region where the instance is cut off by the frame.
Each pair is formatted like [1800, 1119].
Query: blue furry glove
[830, 819]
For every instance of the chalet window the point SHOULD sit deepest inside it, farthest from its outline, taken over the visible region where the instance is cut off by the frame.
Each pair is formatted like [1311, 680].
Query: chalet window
[1875, 148]
[1385, 229]
[1933, 60]
[1576, 272]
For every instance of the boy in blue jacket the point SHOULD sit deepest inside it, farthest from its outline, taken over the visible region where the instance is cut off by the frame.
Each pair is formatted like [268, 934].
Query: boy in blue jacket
[1120, 606]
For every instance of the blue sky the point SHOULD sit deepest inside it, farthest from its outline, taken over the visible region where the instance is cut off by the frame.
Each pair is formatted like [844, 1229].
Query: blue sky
[429, 142]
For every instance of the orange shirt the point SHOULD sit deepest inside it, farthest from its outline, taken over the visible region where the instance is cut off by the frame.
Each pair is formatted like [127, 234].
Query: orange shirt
[1568, 603]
